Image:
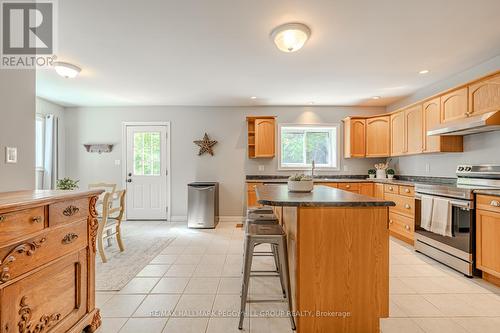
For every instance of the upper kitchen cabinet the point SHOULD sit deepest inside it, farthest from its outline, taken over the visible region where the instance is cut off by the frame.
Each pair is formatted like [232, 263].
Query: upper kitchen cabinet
[431, 119]
[454, 105]
[484, 96]
[261, 136]
[398, 134]
[354, 137]
[414, 129]
[378, 132]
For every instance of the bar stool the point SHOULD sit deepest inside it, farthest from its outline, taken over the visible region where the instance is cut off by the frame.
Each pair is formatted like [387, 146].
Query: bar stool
[274, 235]
[260, 210]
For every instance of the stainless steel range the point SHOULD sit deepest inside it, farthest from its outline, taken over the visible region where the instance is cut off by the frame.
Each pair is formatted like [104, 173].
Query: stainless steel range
[458, 250]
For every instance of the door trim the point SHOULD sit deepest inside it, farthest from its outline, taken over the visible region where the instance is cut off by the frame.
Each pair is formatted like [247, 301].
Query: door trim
[166, 124]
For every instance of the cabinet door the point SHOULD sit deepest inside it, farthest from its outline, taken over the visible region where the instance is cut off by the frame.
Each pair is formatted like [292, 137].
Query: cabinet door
[52, 299]
[432, 118]
[264, 137]
[366, 189]
[378, 137]
[454, 105]
[484, 96]
[358, 138]
[252, 196]
[414, 129]
[379, 191]
[398, 134]
[487, 242]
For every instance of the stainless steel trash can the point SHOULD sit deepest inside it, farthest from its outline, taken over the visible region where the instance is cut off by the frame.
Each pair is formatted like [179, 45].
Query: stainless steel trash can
[203, 204]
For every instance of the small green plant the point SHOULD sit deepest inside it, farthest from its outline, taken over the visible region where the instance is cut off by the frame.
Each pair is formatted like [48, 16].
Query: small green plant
[372, 171]
[67, 184]
[391, 172]
[299, 177]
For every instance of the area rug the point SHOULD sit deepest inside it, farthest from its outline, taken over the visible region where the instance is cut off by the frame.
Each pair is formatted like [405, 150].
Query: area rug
[143, 241]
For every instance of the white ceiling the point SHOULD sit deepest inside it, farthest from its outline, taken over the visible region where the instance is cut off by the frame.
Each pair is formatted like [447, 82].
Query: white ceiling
[218, 52]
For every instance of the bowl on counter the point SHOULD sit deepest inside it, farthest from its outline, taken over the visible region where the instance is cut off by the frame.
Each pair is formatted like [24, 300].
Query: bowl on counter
[300, 185]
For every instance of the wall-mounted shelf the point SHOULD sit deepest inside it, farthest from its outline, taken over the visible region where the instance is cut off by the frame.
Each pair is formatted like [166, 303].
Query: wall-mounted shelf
[98, 147]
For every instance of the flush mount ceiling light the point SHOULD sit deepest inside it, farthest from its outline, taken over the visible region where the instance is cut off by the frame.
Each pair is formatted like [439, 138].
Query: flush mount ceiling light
[253, 97]
[66, 69]
[376, 97]
[423, 71]
[290, 37]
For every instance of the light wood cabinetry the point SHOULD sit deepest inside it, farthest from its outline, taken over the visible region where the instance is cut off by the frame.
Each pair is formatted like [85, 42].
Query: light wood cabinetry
[47, 261]
[354, 137]
[454, 105]
[261, 136]
[484, 96]
[398, 134]
[437, 144]
[366, 189]
[378, 190]
[378, 132]
[402, 216]
[351, 187]
[414, 129]
[251, 195]
[488, 237]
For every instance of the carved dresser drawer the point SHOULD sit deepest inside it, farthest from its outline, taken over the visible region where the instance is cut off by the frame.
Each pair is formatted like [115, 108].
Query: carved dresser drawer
[47, 262]
[26, 255]
[14, 225]
[68, 211]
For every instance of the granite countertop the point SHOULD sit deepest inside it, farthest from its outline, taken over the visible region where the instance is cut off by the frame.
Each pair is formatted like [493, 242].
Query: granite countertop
[491, 191]
[335, 180]
[321, 196]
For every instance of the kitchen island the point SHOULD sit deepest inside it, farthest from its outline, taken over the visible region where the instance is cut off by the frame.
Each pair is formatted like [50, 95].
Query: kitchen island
[338, 244]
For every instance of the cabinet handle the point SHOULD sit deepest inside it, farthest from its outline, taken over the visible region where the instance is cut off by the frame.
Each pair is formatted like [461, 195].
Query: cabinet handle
[407, 190]
[391, 221]
[348, 186]
[495, 203]
[407, 206]
[70, 210]
[407, 227]
[37, 219]
[69, 238]
[390, 188]
[2, 218]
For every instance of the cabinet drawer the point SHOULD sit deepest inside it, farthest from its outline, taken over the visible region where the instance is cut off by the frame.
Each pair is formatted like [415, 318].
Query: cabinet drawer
[334, 185]
[409, 191]
[488, 202]
[352, 187]
[402, 225]
[68, 211]
[52, 299]
[24, 256]
[21, 223]
[404, 205]
[388, 188]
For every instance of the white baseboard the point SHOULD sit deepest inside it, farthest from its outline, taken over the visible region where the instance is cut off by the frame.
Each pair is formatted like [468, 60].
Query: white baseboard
[222, 219]
[178, 218]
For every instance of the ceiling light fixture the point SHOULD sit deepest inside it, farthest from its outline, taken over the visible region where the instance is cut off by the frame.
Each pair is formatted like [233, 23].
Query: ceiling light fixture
[290, 37]
[376, 97]
[311, 103]
[253, 97]
[423, 71]
[66, 69]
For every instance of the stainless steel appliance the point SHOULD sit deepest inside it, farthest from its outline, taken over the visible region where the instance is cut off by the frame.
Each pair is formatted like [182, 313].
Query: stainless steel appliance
[203, 204]
[456, 251]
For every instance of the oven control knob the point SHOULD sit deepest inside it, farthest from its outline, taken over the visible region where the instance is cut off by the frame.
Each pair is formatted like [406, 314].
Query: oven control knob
[461, 168]
[468, 168]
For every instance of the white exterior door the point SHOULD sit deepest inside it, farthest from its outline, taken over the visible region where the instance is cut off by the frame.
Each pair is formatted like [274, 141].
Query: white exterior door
[146, 172]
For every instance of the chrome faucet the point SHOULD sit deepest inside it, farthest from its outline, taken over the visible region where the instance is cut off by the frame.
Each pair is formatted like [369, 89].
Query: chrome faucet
[312, 169]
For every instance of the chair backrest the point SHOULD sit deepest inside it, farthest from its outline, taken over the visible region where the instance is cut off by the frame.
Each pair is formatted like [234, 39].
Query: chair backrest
[107, 187]
[120, 197]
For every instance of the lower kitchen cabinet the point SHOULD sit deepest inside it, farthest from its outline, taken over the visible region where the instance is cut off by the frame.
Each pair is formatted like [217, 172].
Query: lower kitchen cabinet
[488, 237]
[402, 216]
[366, 189]
[251, 195]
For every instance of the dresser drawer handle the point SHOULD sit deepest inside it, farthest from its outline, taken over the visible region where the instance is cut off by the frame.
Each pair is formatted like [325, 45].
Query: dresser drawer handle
[495, 203]
[2, 218]
[37, 219]
[391, 221]
[69, 238]
[390, 188]
[348, 186]
[407, 206]
[71, 210]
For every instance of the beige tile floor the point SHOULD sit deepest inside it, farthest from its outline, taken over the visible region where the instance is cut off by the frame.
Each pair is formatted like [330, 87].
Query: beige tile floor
[193, 286]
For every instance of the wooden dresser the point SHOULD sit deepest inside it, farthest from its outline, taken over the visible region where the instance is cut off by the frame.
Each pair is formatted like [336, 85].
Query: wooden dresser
[47, 261]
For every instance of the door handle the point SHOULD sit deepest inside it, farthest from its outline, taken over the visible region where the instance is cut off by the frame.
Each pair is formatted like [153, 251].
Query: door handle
[129, 180]
[130, 174]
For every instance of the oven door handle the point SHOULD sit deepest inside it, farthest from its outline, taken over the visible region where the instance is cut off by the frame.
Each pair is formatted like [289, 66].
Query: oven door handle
[457, 203]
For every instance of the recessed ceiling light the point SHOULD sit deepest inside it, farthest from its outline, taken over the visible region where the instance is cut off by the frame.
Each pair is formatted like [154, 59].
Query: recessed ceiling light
[290, 37]
[423, 71]
[253, 97]
[66, 69]
[376, 97]
[311, 103]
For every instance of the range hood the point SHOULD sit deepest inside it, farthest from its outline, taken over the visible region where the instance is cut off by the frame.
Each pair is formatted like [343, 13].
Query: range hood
[477, 124]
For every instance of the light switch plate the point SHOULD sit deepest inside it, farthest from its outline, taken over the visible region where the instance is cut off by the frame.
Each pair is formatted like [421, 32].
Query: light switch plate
[10, 155]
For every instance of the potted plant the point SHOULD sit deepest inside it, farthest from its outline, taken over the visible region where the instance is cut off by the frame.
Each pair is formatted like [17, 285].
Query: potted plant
[300, 183]
[372, 173]
[67, 184]
[390, 173]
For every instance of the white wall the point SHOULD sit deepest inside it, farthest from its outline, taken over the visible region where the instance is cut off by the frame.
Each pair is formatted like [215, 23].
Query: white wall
[17, 128]
[478, 148]
[227, 125]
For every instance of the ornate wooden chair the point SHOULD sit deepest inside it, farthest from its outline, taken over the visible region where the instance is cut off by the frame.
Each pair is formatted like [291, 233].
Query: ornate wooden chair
[110, 222]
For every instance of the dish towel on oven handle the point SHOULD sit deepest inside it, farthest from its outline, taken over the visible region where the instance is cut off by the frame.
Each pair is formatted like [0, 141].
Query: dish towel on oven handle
[441, 217]
[426, 212]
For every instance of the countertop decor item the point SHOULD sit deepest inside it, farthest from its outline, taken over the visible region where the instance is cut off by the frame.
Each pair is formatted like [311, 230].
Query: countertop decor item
[205, 145]
[372, 173]
[67, 184]
[381, 167]
[390, 173]
[300, 183]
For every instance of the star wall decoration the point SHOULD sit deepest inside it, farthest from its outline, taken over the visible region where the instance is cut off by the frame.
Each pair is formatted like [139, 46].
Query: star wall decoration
[205, 145]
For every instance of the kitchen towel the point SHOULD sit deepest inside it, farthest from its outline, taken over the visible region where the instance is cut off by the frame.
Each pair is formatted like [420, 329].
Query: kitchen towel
[441, 217]
[426, 212]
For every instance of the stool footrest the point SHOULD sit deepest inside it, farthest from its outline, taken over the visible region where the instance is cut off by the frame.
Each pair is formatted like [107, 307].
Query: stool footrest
[281, 300]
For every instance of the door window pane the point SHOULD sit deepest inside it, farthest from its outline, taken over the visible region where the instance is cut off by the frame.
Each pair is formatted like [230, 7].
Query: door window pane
[147, 153]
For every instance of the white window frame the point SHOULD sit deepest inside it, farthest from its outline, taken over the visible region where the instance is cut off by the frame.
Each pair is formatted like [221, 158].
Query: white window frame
[41, 117]
[337, 153]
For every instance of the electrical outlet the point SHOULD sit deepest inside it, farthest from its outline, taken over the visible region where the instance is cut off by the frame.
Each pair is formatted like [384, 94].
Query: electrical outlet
[261, 168]
[427, 167]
